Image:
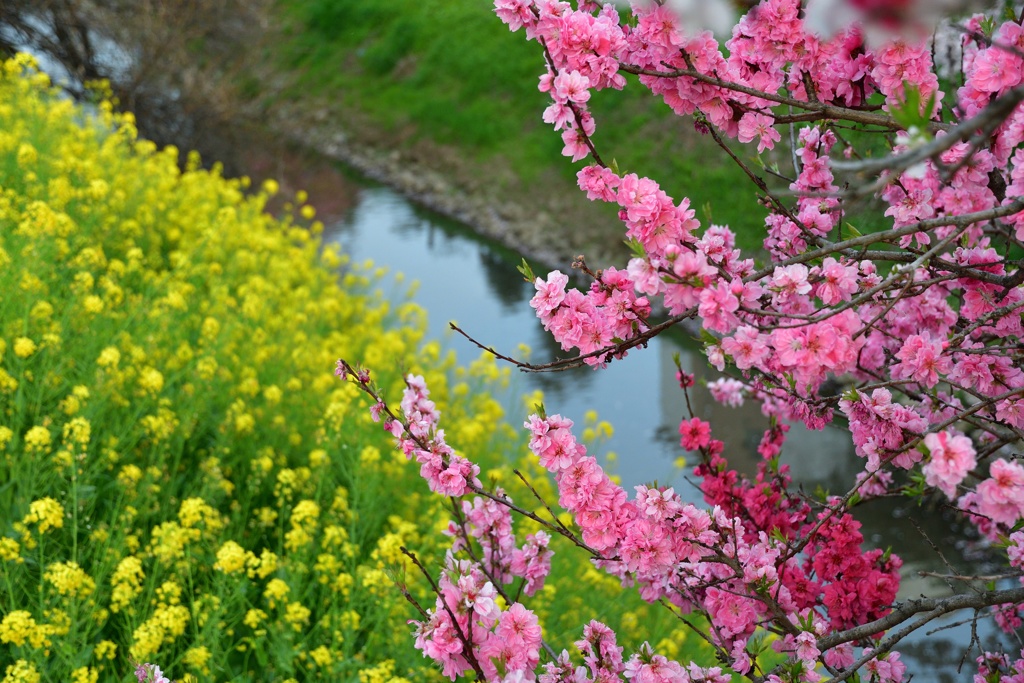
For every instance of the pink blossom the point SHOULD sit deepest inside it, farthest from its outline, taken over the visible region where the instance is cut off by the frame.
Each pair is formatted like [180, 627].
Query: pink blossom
[838, 283]
[727, 391]
[921, 360]
[951, 457]
[695, 433]
[760, 126]
[571, 86]
[747, 346]
[732, 614]
[1001, 496]
[789, 281]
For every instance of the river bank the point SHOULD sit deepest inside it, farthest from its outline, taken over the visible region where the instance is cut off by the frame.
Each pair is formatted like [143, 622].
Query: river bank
[431, 175]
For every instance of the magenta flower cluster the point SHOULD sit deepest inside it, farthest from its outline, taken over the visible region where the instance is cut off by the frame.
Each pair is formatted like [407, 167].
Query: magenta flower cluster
[911, 335]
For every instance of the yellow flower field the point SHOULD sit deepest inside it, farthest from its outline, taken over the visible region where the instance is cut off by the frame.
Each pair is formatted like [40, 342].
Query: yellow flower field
[186, 481]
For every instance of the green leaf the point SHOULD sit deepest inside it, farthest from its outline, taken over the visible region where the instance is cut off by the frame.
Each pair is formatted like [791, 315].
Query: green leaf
[636, 247]
[854, 232]
[912, 112]
[527, 271]
[708, 338]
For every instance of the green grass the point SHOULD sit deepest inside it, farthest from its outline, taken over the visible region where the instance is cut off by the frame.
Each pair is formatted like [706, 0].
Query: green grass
[451, 72]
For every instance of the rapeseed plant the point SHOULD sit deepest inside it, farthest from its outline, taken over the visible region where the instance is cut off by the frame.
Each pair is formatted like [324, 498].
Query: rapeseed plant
[188, 483]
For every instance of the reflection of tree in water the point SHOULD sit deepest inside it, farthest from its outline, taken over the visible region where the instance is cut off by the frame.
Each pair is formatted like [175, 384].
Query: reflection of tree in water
[507, 284]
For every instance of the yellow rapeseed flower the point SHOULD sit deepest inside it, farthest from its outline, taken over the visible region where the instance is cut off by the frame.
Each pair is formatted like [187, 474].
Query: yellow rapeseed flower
[198, 659]
[151, 381]
[231, 558]
[92, 304]
[276, 590]
[297, 615]
[21, 672]
[19, 627]
[85, 674]
[169, 541]
[126, 583]
[254, 617]
[105, 649]
[10, 551]
[322, 656]
[77, 432]
[306, 513]
[196, 511]
[46, 512]
[343, 584]
[38, 440]
[70, 579]
[262, 567]
[109, 357]
[129, 476]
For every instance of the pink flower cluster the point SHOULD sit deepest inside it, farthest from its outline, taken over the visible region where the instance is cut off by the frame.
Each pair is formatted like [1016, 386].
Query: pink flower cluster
[466, 623]
[921, 327]
[996, 666]
[150, 673]
[609, 311]
[447, 472]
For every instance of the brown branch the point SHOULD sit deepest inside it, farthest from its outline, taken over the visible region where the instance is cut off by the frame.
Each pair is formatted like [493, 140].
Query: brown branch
[822, 110]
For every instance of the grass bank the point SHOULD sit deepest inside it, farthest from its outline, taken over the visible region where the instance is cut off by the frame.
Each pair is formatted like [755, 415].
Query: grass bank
[446, 80]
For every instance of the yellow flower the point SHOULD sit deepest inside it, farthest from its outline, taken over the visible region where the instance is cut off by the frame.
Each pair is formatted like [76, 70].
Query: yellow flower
[343, 584]
[196, 511]
[77, 432]
[21, 672]
[109, 357]
[262, 567]
[318, 458]
[126, 583]
[377, 582]
[254, 617]
[297, 538]
[10, 550]
[169, 541]
[27, 154]
[266, 516]
[211, 328]
[382, 673]
[6, 434]
[297, 615]
[151, 381]
[42, 310]
[231, 558]
[24, 347]
[105, 649]
[38, 440]
[85, 674]
[69, 579]
[322, 656]
[305, 511]
[198, 658]
[129, 476]
[276, 590]
[19, 627]
[46, 512]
